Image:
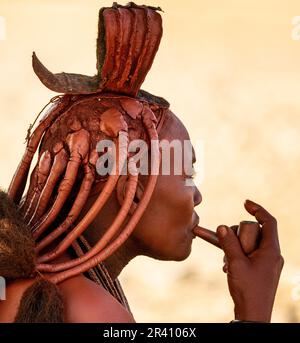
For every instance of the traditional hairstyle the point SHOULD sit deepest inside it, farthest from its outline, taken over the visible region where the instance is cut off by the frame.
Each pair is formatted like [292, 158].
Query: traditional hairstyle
[109, 105]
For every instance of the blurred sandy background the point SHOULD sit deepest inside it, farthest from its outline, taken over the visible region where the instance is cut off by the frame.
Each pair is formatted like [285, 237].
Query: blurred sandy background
[231, 72]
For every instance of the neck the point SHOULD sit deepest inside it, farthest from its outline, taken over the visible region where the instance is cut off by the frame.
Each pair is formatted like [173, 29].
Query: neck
[116, 262]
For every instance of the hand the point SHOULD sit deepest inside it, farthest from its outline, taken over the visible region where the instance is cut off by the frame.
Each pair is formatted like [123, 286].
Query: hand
[253, 279]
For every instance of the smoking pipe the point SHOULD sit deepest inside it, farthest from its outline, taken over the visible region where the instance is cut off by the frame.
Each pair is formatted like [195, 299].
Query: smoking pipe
[247, 231]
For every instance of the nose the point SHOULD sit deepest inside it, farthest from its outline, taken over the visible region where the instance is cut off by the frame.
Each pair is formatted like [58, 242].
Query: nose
[197, 197]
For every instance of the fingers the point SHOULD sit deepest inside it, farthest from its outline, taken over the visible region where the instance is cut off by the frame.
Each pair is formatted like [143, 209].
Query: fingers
[230, 243]
[234, 228]
[225, 265]
[249, 236]
[268, 222]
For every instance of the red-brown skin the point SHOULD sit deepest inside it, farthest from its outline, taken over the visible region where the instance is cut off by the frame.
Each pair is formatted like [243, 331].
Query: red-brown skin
[165, 232]
[253, 279]
[84, 302]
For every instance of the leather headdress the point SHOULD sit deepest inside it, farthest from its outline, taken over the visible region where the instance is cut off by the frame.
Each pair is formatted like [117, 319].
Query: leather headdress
[128, 39]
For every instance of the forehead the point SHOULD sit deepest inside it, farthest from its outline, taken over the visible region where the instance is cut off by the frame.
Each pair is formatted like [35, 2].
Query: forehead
[173, 128]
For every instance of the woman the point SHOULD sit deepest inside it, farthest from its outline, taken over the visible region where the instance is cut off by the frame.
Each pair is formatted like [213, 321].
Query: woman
[76, 228]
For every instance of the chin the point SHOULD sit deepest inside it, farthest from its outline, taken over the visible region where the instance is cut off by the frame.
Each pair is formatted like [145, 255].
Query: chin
[179, 251]
[177, 255]
[183, 250]
[183, 256]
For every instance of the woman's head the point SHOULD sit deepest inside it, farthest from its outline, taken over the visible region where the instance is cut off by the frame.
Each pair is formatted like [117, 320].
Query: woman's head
[66, 196]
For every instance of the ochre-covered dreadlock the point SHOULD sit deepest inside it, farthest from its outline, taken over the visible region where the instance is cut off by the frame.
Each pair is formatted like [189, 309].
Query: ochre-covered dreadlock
[109, 105]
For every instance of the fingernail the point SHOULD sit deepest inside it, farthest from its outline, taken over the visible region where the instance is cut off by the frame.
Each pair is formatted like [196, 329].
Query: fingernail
[250, 202]
[222, 230]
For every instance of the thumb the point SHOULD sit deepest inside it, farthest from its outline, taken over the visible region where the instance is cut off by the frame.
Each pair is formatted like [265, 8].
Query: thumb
[230, 243]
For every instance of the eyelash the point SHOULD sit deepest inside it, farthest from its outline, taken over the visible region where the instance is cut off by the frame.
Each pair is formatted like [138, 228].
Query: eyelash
[192, 176]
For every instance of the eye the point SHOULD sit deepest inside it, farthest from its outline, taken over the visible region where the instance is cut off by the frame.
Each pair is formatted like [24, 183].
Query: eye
[193, 175]
[189, 179]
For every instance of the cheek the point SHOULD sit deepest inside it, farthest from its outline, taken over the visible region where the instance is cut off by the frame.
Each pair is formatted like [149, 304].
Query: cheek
[168, 218]
[178, 205]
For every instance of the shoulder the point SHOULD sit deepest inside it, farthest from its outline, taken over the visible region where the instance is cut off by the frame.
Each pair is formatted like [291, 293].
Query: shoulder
[87, 302]
[13, 294]
[84, 302]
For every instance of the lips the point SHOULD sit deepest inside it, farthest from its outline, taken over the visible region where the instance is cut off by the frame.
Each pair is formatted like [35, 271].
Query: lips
[196, 223]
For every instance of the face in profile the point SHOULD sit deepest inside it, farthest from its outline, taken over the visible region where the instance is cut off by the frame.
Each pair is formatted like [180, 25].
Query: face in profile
[165, 229]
